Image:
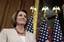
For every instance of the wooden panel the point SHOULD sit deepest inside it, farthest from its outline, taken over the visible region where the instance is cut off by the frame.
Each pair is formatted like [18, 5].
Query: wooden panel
[27, 4]
[3, 5]
[12, 6]
[8, 7]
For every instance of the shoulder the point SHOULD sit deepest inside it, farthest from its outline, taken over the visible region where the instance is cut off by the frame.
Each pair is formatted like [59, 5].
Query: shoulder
[7, 30]
[30, 34]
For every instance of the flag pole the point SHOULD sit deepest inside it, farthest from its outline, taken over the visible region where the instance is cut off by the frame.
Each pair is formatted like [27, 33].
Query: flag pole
[56, 9]
[35, 16]
[45, 9]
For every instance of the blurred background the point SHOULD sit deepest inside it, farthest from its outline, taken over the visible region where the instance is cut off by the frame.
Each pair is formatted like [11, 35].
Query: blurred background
[8, 7]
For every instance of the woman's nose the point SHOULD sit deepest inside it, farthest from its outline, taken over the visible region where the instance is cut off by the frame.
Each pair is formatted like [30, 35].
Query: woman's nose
[23, 17]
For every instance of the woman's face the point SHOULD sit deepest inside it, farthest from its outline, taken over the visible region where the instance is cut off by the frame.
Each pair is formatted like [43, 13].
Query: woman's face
[21, 18]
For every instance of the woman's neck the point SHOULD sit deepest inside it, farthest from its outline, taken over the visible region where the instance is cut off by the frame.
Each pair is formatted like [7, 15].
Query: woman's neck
[20, 29]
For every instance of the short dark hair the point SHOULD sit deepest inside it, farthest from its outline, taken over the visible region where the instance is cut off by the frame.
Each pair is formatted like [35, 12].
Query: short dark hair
[15, 16]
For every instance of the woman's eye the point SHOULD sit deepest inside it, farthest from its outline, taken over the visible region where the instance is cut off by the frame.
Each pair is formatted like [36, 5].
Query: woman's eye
[20, 15]
[24, 16]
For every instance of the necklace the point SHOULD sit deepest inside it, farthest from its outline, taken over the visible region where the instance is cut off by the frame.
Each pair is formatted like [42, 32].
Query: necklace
[23, 33]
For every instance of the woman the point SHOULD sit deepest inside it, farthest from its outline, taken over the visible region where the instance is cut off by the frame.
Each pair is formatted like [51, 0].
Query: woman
[19, 33]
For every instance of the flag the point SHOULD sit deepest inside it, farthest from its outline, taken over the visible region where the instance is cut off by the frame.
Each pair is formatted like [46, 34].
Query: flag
[43, 31]
[30, 24]
[57, 32]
